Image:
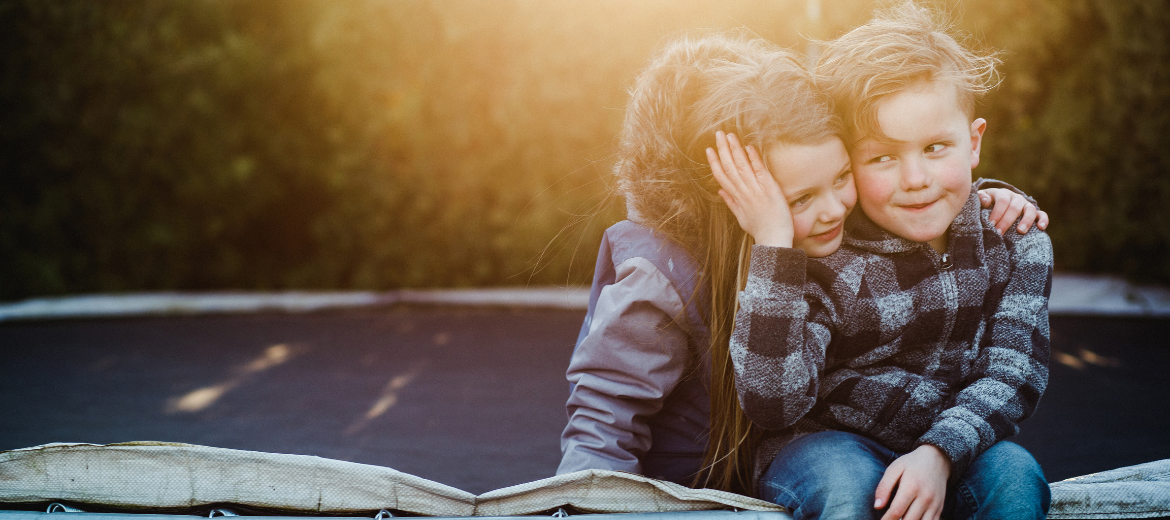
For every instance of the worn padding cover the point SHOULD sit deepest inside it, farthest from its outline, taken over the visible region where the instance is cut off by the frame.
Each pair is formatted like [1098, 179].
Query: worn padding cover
[160, 476]
[1141, 491]
[603, 491]
[152, 475]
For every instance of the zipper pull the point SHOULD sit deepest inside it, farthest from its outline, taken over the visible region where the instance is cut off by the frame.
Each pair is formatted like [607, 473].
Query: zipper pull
[946, 262]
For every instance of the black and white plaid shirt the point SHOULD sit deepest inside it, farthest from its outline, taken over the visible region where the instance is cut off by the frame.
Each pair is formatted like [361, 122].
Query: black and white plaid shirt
[889, 339]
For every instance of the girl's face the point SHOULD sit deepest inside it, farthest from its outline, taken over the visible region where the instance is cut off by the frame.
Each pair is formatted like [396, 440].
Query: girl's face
[818, 183]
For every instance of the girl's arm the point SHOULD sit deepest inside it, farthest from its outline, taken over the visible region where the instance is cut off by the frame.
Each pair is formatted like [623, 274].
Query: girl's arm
[782, 330]
[633, 356]
[1007, 204]
[780, 336]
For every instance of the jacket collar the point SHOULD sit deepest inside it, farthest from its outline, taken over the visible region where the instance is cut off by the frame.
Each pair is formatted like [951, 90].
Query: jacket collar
[862, 233]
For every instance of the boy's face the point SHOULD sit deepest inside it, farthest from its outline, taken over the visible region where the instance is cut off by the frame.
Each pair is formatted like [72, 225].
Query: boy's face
[818, 184]
[916, 182]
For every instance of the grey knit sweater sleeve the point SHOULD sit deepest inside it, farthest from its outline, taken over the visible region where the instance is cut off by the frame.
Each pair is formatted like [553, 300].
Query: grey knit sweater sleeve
[779, 340]
[1011, 370]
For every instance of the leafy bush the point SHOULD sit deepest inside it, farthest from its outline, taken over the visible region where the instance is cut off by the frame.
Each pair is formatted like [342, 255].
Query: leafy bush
[1082, 121]
[268, 144]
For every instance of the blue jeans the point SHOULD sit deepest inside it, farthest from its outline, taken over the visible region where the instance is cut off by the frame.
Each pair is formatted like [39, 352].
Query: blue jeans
[835, 475]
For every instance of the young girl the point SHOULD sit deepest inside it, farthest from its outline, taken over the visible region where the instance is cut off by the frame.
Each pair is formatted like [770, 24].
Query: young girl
[652, 383]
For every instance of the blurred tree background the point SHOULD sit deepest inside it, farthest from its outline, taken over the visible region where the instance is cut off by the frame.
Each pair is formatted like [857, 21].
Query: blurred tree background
[373, 144]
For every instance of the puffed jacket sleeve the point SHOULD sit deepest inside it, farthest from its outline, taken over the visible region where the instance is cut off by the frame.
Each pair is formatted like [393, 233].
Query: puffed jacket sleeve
[633, 356]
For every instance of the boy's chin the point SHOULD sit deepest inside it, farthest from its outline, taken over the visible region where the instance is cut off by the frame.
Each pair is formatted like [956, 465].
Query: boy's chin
[920, 228]
[922, 233]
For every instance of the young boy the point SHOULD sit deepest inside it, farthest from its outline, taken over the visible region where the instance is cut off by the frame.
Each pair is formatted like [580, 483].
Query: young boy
[889, 374]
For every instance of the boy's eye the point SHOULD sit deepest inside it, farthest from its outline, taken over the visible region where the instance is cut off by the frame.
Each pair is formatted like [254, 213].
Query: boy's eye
[843, 178]
[936, 147]
[882, 159]
[801, 201]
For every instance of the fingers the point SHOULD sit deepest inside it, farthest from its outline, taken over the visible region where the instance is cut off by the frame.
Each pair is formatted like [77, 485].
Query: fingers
[757, 162]
[922, 508]
[917, 511]
[1028, 220]
[763, 175]
[928, 508]
[886, 485]
[900, 505]
[731, 203]
[1015, 209]
[935, 510]
[740, 158]
[1009, 206]
[1001, 202]
[731, 182]
[720, 175]
[730, 192]
[736, 182]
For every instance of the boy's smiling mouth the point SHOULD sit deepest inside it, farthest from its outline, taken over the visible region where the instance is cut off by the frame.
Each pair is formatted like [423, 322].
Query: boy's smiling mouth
[917, 206]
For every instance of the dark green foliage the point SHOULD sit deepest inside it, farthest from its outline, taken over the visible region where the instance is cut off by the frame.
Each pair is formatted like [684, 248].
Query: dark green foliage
[270, 144]
[1082, 121]
[143, 146]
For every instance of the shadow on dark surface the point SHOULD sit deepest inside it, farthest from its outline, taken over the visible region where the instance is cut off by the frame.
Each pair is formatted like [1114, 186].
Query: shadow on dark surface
[472, 398]
[1108, 398]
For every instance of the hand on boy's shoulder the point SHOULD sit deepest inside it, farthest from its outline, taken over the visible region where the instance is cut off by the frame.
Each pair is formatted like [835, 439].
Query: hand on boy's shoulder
[1008, 206]
[920, 478]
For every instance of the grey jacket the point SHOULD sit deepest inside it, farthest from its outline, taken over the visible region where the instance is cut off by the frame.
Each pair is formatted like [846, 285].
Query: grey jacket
[888, 339]
[639, 400]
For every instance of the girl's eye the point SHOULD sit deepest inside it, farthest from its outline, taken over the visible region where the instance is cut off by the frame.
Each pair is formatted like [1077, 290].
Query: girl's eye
[801, 201]
[843, 178]
[882, 159]
[936, 147]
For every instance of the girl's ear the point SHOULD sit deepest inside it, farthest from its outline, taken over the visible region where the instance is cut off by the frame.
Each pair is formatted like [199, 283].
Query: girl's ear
[978, 126]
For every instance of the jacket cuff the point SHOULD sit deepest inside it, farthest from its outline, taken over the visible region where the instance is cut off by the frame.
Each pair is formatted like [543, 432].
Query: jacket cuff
[957, 439]
[776, 273]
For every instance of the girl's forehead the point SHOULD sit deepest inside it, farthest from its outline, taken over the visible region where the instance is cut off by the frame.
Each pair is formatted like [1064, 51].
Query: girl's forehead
[805, 165]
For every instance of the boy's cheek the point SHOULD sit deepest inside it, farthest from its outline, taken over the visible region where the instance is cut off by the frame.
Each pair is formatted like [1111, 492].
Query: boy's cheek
[872, 189]
[959, 178]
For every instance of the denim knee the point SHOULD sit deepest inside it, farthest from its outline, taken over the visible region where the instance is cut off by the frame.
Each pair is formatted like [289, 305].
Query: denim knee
[827, 475]
[1003, 482]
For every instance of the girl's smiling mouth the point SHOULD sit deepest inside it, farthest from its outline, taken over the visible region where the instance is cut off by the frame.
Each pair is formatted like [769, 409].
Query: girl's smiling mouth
[830, 234]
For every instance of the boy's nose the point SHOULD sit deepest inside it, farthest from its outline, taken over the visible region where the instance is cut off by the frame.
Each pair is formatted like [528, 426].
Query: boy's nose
[914, 175]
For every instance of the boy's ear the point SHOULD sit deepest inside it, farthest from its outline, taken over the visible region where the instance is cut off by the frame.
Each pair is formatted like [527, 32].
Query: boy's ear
[977, 128]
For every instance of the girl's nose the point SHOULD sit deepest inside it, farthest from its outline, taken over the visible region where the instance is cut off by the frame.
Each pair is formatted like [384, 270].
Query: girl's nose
[833, 210]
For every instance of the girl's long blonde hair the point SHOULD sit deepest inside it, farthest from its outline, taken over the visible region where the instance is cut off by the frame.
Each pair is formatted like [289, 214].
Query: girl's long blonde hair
[694, 86]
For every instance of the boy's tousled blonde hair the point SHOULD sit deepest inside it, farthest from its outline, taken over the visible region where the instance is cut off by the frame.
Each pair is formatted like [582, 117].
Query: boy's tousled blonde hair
[897, 49]
[694, 86]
